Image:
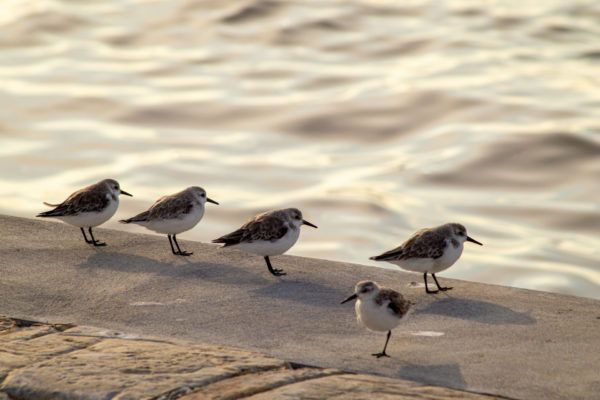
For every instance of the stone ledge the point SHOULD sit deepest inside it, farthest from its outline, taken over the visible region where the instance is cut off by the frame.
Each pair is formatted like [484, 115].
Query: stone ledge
[476, 338]
[44, 361]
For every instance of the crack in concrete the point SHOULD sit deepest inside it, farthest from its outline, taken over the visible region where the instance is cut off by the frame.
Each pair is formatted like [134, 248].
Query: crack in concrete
[283, 384]
[182, 391]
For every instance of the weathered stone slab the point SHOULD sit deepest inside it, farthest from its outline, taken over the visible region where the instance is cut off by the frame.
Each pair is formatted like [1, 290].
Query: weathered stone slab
[359, 387]
[15, 353]
[132, 369]
[24, 345]
[247, 385]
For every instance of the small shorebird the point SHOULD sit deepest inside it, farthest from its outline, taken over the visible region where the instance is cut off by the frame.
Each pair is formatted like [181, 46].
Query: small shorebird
[174, 214]
[88, 207]
[268, 234]
[430, 250]
[379, 308]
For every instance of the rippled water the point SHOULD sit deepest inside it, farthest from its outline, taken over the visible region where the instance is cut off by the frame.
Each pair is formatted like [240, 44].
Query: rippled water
[375, 118]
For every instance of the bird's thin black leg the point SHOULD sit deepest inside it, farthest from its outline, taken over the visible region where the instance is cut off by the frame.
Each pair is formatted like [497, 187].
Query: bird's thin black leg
[94, 241]
[383, 353]
[171, 243]
[276, 272]
[85, 237]
[181, 253]
[438, 284]
[426, 286]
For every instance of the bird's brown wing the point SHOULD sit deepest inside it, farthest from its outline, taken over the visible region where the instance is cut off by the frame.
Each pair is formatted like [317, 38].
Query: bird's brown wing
[88, 199]
[262, 227]
[425, 243]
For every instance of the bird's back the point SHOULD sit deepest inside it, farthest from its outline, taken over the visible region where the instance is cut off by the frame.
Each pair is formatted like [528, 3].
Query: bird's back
[425, 243]
[89, 199]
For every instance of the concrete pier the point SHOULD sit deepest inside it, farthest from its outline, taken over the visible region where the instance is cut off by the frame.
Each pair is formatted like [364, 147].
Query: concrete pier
[474, 339]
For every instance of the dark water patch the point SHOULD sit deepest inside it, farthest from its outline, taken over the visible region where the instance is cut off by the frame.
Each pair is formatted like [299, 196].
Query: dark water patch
[559, 32]
[317, 32]
[343, 23]
[350, 206]
[39, 28]
[122, 40]
[585, 10]
[195, 115]
[40, 23]
[323, 81]
[559, 28]
[469, 12]
[395, 49]
[268, 74]
[591, 55]
[312, 31]
[94, 107]
[531, 162]
[397, 10]
[252, 11]
[44, 164]
[507, 22]
[554, 219]
[160, 115]
[375, 121]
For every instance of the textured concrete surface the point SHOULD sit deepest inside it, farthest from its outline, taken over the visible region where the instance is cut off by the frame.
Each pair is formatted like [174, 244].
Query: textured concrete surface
[43, 362]
[480, 338]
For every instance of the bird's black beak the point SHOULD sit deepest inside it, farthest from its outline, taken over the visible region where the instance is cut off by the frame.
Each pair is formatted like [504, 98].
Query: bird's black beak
[125, 193]
[470, 239]
[304, 222]
[350, 298]
[211, 201]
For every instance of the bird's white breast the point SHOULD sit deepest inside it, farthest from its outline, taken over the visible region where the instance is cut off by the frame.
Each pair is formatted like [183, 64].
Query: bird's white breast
[376, 317]
[90, 219]
[173, 226]
[450, 256]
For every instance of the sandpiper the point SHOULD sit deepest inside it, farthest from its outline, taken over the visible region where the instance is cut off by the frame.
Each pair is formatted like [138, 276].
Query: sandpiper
[379, 308]
[430, 250]
[88, 207]
[174, 214]
[268, 234]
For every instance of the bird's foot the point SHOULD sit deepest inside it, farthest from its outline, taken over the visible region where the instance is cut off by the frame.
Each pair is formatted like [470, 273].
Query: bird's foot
[379, 355]
[98, 243]
[184, 253]
[278, 272]
[445, 288]
[431, 291]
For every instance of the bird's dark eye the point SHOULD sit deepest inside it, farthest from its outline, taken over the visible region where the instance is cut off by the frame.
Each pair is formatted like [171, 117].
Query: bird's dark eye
[297, 217]
[203, 195]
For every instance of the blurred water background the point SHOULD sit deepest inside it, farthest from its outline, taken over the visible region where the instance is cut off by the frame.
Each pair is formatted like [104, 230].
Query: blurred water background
[375, 118]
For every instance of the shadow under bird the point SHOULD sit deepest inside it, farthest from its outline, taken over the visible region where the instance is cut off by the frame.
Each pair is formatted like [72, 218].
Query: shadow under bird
[379, 309]
[88, 207]
[174, 214]
[268, 234]
[430, 250]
